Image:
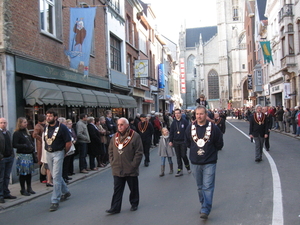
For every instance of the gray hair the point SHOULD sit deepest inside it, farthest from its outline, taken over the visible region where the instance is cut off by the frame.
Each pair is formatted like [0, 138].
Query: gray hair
[258, 105]
[124, 119]
[90, 119]
[61, 119]
[201, 107]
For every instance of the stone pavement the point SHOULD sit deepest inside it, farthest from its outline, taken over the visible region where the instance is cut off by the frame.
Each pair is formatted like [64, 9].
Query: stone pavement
[41, 188]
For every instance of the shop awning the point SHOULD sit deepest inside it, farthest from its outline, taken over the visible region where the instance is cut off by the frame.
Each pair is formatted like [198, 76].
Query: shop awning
[113, 100]
[102, 99]
[89, 98]
[72, 97]
[148, 100]
[127, 101]
[37, 92]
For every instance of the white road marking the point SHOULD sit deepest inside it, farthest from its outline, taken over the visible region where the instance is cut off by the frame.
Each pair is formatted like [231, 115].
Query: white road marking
[277, 218]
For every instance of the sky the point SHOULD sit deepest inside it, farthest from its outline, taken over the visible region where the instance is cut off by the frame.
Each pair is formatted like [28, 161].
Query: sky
[172, 14]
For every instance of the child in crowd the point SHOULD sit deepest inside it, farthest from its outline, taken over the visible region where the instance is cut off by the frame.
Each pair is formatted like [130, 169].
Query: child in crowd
[165, 150]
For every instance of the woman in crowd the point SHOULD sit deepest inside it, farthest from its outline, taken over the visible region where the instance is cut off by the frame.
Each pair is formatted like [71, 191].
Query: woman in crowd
[101, 158]
[95, 148]
[23, 142]
[70, 168]
[106, 140]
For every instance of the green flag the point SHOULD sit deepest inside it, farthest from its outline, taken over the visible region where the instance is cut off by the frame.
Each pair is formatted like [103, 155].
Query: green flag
[266, 49]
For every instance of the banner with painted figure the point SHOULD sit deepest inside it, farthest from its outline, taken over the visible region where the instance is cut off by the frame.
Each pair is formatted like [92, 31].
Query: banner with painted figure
[266, 49]
[81, 36]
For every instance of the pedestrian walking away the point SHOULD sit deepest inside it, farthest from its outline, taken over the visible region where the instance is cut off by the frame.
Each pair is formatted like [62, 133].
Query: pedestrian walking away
[204, 139]
[125, 155]
[57, 144]
[165, 151]
[6, 161]
[258, 130]
[177, 131]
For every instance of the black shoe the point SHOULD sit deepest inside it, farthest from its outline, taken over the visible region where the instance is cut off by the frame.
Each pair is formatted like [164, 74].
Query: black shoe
[133, 208]
[112, 211]
[146, 164]
[10, 197]
[268, 149]
[53, 207]
[25, 193]
[203, 216]
[49, 185]
[2, 200]
[69, 178]
[65, 196]
[30, 191]
[66, 181]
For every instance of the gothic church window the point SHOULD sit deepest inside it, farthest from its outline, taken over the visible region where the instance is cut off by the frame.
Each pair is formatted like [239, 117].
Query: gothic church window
[213, 85]
[190, 64]
[235, 10]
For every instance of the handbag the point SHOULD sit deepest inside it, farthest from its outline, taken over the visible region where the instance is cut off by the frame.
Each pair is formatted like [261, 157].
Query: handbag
[43, 169]
[71, 151]
[34, 157]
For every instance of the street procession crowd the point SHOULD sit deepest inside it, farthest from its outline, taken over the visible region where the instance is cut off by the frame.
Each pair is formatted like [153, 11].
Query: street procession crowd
[123, 143]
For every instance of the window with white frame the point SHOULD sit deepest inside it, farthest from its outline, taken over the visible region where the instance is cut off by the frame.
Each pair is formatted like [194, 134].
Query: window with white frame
[115, 4]
[144, 82]
[115, 53]
[143, 42]
[50, 18]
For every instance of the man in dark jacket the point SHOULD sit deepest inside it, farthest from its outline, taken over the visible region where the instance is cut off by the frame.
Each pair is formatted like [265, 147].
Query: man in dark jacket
[177, 131]
[279, 115]
[6, 161]
[146, 130]
[258, 130]
[204, 139]
[269, 126]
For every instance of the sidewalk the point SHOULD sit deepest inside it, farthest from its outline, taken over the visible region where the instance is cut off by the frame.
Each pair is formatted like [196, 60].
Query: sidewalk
[41, 188]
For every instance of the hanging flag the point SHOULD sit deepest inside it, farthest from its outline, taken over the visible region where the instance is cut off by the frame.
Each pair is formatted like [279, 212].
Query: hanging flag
[161, 75]
[266, 49]
[81, 36]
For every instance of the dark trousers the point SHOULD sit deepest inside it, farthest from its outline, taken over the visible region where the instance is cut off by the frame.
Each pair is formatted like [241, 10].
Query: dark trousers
[156, 136]
[82, 149]
[180, 150]
[66, 166]
[92, 161]
[119, 186]
[71, 164]
[5, 170]
[259, 144]
[146, 146]
[267, 143]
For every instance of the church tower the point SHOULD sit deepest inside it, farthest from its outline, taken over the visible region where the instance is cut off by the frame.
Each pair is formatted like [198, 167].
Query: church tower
[232, 51]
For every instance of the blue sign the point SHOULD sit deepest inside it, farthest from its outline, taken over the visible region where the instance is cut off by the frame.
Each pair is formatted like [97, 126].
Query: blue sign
[161, 76]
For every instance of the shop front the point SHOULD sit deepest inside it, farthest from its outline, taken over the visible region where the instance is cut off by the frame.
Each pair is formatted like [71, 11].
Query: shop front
[40, 87]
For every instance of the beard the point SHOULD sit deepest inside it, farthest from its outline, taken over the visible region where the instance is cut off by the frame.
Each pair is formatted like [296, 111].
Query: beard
[52, 122]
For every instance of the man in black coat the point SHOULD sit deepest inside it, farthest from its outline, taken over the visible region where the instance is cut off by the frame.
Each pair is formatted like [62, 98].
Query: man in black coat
[6, 161]
[269, 126]
[146, 130]
[258, 131]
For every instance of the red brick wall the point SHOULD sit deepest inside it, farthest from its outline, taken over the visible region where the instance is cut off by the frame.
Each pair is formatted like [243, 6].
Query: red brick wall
[25, 38]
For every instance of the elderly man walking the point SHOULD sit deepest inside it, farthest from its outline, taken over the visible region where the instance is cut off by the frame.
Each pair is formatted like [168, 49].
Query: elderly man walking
[125, 155]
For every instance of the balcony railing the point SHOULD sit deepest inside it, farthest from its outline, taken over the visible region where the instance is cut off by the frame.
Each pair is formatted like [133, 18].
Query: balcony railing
[285, 11]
